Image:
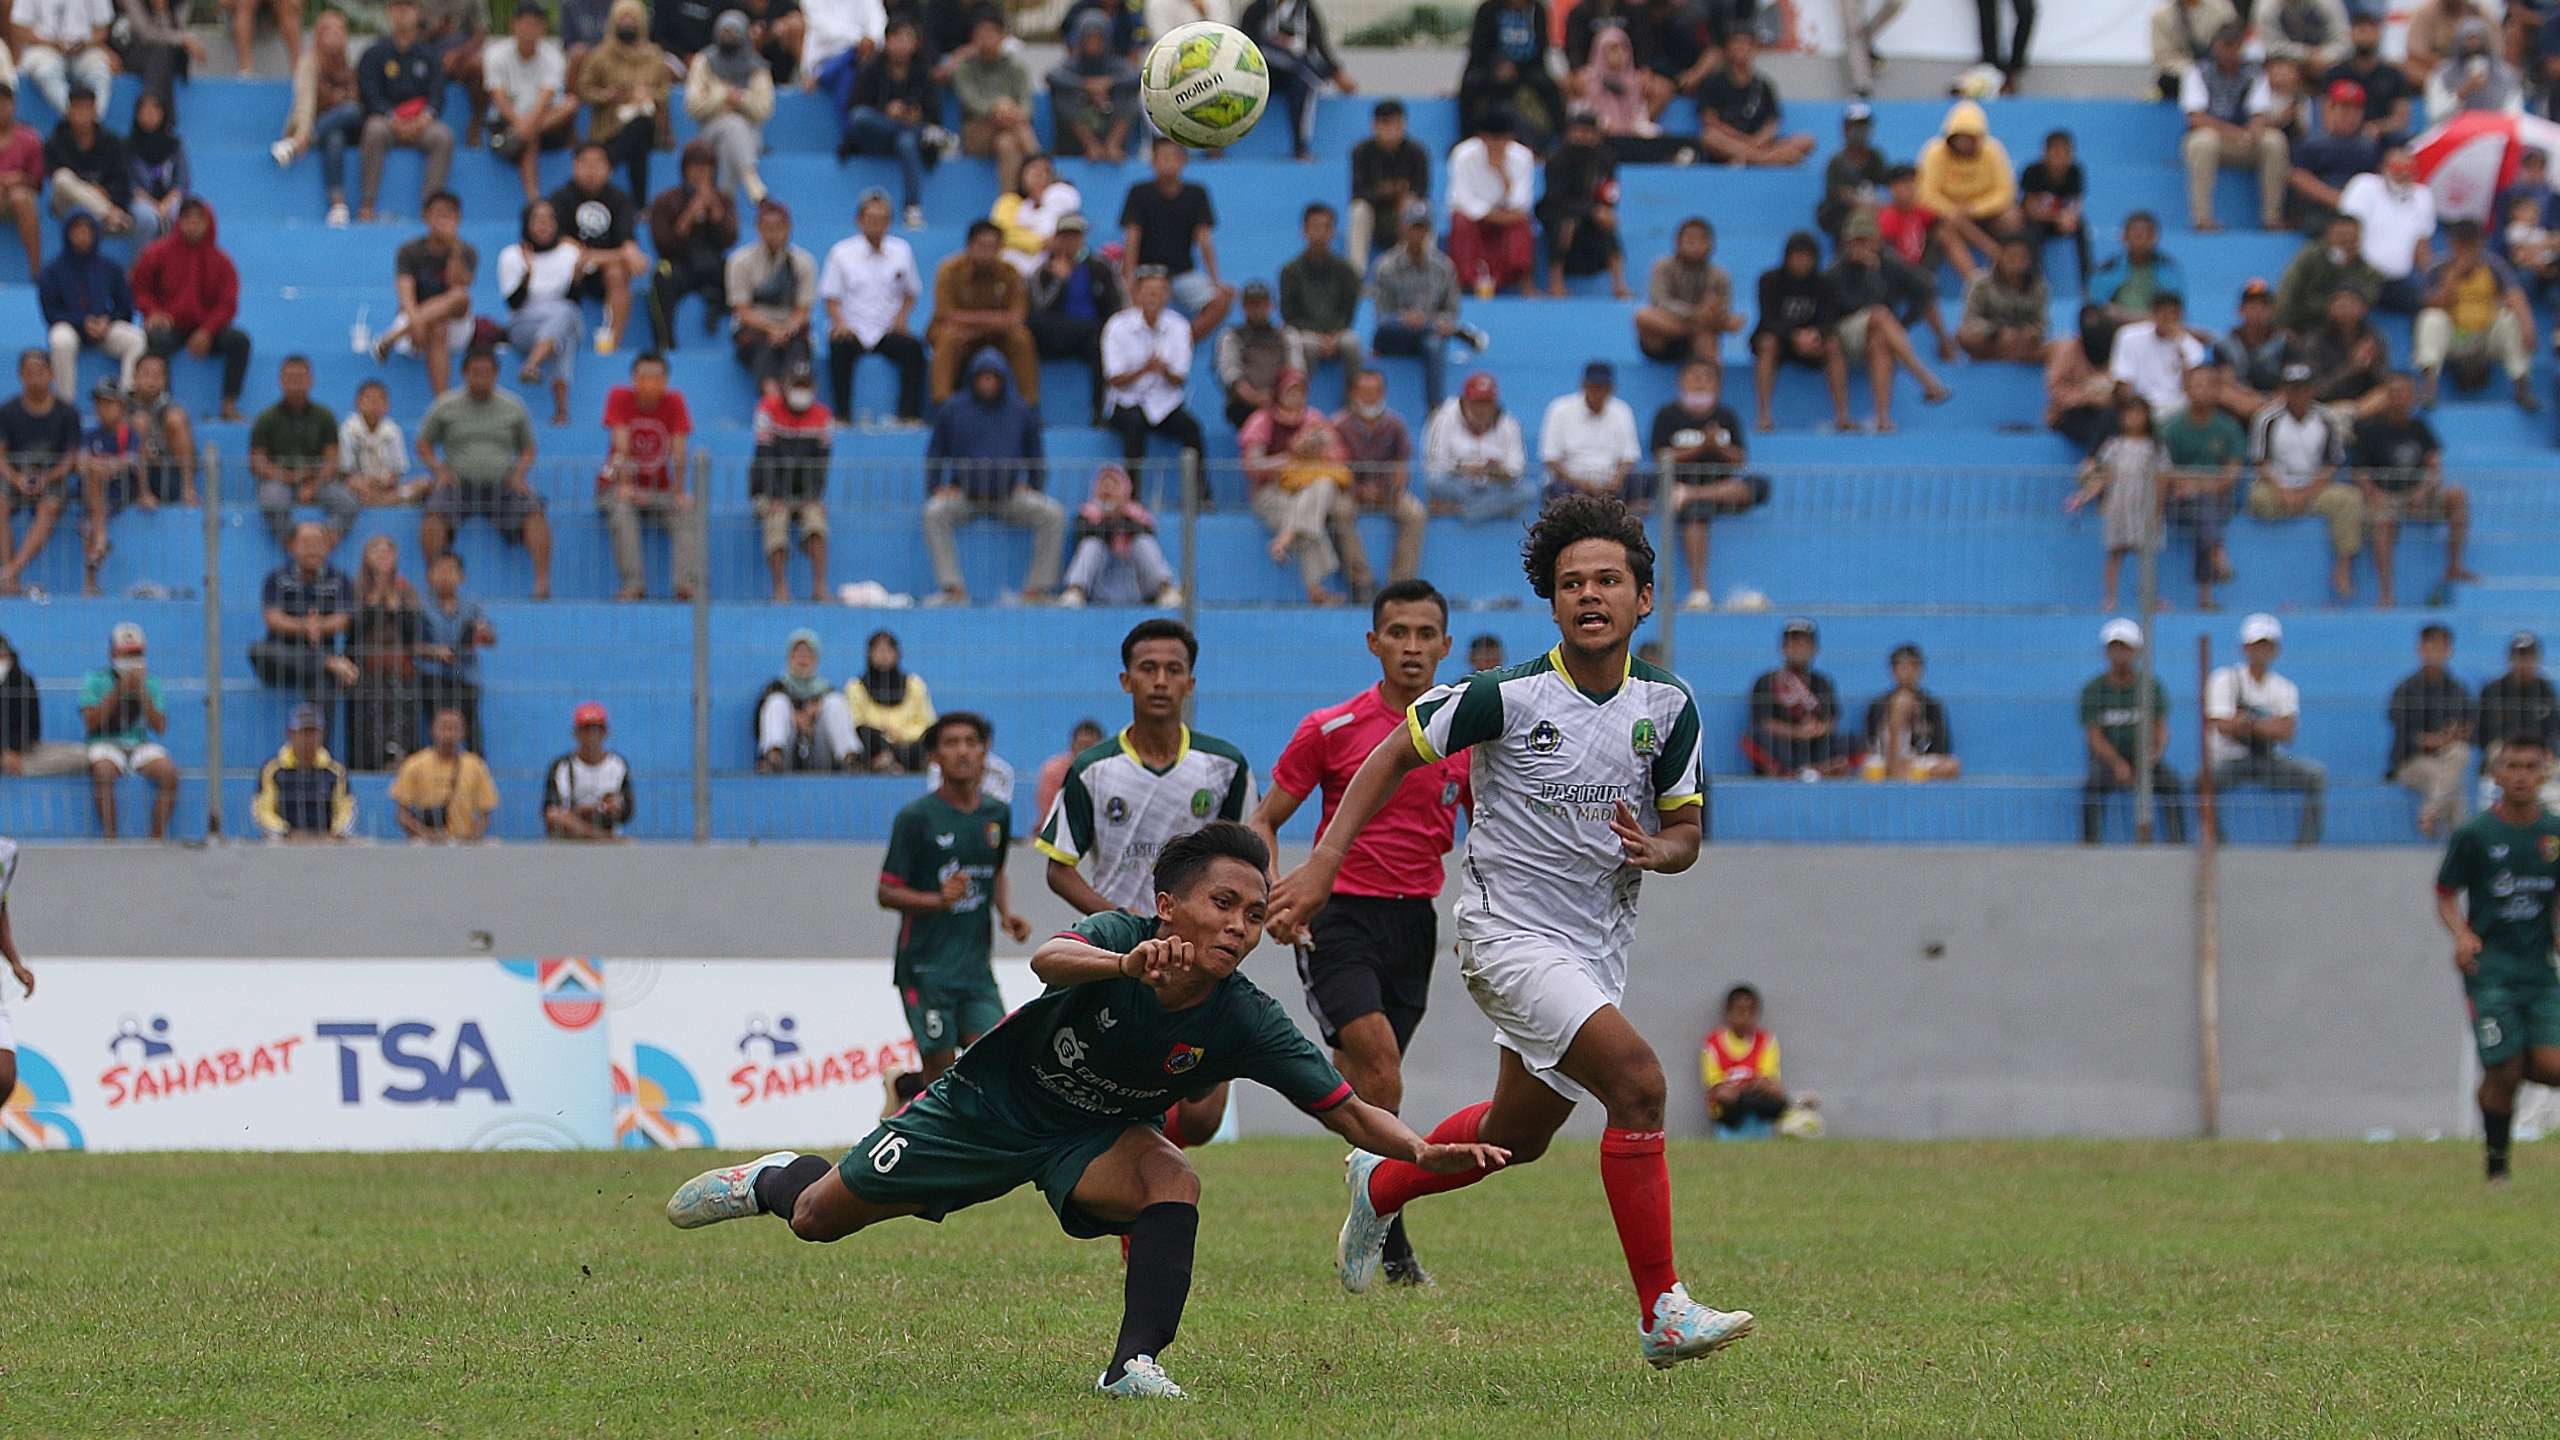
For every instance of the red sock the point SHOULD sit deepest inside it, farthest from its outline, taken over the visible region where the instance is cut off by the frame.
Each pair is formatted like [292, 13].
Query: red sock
[1395, 1182]
[1638, 1182]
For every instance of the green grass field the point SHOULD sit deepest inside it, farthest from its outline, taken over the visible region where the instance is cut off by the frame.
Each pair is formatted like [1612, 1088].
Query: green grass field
[2067, 1289]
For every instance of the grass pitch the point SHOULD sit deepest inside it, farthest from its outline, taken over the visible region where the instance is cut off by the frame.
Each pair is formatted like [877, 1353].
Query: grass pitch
[2066, 1289]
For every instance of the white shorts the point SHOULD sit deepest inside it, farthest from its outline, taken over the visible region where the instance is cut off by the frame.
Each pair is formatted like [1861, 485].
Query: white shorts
[127, 760]
[1537, 995]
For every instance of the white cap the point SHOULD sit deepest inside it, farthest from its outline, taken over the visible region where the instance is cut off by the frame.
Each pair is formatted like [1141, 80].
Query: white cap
[2261, 626]
[125, 639]
[2120, 632]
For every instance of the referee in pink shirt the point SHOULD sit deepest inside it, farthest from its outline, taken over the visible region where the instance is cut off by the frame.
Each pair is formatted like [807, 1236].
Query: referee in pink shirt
[1366, 960]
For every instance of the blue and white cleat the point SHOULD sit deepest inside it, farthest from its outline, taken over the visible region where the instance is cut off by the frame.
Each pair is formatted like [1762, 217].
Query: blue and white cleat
[1683, 1329]
[1142, 1379]
[1364, 1232]
[728, 1193]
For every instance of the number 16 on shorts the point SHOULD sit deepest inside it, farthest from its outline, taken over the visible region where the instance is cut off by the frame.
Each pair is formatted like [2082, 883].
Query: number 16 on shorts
[886, 1152]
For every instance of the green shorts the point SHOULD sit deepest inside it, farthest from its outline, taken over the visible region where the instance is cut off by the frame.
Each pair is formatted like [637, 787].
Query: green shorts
[949, 1150]
[2514, 1004]
[941, 1016]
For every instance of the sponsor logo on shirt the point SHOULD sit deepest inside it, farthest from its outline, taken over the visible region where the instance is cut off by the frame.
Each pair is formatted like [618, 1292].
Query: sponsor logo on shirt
[1184, 1057]
[995, 833]
[1545, 738]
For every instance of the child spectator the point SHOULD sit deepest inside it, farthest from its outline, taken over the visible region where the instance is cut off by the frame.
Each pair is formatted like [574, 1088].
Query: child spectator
[373, 456]
[1739, 1062]
[452, 632]
[787, 479]
[1117, 560]
[1908, 737]
[1905, 223]
[2054, 191]
[110, 478]
[2124, 476]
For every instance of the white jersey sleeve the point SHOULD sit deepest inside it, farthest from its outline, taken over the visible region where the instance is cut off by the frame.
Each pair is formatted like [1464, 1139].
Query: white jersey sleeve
[1451, 718]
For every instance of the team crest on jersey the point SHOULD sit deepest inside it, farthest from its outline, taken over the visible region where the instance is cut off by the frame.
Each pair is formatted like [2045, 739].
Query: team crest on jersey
[1185, 1058]
[1201, 803]
[1117, 812]
[995, 834]
[1647, 742]
[2550, 849]
[1545, 738]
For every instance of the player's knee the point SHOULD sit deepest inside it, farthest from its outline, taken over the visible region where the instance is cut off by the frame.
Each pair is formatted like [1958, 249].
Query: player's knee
[1636, 1098]
[1168, 1179]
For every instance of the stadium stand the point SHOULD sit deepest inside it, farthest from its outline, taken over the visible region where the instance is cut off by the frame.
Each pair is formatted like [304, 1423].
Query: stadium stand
[1950, 534]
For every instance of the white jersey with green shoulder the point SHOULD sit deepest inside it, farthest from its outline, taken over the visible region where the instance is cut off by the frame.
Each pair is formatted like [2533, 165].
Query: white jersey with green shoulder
[8, 866]
[1551, 764]
[1120, 812]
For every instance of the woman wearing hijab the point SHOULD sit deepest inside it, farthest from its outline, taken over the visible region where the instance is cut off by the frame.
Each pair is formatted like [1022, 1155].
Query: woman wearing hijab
[624, 83]
[891, 709]
[2474, 76]
[1620, 94]
[537, 274]
[729, 93]
[159, 162]
[1093, 94]
[802, 723]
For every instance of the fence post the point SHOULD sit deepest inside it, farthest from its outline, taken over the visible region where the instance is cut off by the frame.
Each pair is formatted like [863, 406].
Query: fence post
[209, 492]
[702, 660]
[1195, 479]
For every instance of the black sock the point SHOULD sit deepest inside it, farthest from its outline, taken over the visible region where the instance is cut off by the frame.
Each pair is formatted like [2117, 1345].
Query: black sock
[1399, 1250]
[2495, 1128]
[778, 1189]
[1157, 1283]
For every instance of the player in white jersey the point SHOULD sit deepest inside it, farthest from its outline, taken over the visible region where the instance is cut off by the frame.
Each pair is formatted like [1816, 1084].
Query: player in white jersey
[1127, 798]
[1586, 772]
[26, 978]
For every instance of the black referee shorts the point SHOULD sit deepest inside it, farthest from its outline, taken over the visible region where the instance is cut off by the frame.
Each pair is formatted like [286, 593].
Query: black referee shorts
[1370, 956]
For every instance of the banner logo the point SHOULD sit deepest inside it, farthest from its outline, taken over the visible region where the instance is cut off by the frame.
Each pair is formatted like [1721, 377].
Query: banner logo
[657, 1104]
[37, 1115]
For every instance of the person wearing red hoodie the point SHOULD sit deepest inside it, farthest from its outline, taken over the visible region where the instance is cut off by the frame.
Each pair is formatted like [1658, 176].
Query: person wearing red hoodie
[189, 293]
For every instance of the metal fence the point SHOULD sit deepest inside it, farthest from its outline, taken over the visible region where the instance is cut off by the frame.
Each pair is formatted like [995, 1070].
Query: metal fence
[1978, 568]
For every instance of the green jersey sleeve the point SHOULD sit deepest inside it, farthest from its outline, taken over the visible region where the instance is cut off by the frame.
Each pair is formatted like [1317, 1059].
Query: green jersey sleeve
[1680, 762]
[1117, 931]
[1004, 832]
[2461, 862]
[906, 842]
[1278, 1054]
[1068, 832]
[2091, 711]
[1452, 718]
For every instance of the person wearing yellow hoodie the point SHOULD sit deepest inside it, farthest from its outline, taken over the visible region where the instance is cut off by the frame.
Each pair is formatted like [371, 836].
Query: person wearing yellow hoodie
[1965, 176]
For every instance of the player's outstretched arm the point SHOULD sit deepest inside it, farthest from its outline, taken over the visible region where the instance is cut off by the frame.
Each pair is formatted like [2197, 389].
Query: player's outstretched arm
[1303, 891]
[1069, 959]
[1380, 1133]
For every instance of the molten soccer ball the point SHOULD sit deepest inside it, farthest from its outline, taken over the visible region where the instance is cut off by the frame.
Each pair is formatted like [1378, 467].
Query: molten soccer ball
[1204, 84]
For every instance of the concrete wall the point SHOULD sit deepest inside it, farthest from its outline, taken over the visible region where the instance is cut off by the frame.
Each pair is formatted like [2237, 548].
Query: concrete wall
[1981, 992]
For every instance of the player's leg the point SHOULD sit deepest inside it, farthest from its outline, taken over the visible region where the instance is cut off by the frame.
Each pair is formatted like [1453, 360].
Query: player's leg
[1523, 1115]
[1608, 1058]
[934, 1020]
[1143, 1186]
[2498, 1031]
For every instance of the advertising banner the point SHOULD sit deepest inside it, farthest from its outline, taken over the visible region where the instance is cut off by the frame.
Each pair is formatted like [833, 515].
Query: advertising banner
[759, 1054]
[312, 1055]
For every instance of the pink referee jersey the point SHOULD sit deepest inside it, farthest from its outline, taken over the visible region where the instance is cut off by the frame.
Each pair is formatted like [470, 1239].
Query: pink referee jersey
[1398, 856]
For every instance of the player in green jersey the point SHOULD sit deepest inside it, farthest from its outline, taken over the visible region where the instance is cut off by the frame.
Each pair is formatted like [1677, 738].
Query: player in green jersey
[2494, 895]
[944, 875]
[1068, 1094]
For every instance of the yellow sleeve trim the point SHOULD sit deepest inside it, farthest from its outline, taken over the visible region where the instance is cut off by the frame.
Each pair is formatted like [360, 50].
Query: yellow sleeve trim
[1679, 802]
[1422, 742]
[1054, 853]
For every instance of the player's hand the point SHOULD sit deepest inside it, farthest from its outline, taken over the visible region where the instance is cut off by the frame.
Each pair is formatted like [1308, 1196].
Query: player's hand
[1295, 901]
[2466, 953]
[1017, 927]
[26, 977]
[1450, 1159]
[1643, 851]
[955, 888]
[1157, 961]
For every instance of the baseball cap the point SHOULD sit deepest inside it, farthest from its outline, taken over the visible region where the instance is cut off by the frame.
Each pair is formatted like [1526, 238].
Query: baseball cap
[305, 717]
[2296, 373]
[125, 639]
[2120, 632]
[1479, 386]
[2261, 626]
[2257, 289]
[2345, 92]
[1075, 224]
[1799, 626]
[1599, 372]
[2524, 642]
[1256, 290]
[1858, 113]
[800, 372]
[587, 714]
[1417, 212]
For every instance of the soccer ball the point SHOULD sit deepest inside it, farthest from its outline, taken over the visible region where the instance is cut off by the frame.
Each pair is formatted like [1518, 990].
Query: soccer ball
[1204, 84]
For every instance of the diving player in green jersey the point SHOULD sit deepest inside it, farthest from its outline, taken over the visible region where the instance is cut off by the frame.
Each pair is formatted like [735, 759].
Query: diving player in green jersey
[2494, 895]
[1069, 1092]
[944, 875]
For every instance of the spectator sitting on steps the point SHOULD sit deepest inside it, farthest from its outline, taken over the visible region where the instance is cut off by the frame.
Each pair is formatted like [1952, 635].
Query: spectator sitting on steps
[891, 709]
[587, 794]
[802, 722]
[1739, 1062]
[122, 713]
[1907, 733]
[1795, 715]
[302, 792]
[444, 792]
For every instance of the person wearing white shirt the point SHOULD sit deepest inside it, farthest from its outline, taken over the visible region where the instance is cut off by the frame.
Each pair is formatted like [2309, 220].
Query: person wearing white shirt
[530, 107]
[2231, 121]
[1490, 180]
[2153, 357]
[838, 36]
[2252, 715]
[2297, 445]
[1473, 462]
[2399, 219]
[373, 456]
[1588, 440]
[1146, 361]
[544, 324]
[62, 41]
[869, 288]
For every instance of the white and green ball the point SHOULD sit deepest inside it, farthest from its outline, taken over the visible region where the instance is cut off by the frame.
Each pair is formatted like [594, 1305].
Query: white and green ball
[1204, 84]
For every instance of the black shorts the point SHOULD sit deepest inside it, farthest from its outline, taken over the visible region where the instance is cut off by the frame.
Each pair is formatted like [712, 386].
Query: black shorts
[1370, 956]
